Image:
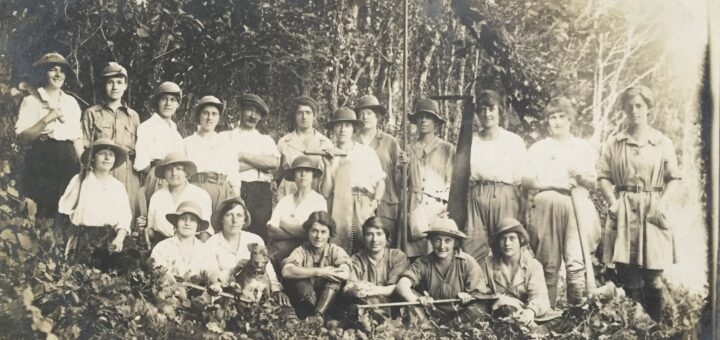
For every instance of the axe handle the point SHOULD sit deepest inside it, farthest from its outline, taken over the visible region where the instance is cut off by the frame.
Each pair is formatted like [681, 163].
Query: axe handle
[323, 153]
[417, 303]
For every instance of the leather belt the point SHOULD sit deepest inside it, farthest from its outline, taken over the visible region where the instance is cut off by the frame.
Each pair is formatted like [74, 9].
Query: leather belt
[208, 177]
[559, 191]
[437, 199]
[638, 188]
[487, 182]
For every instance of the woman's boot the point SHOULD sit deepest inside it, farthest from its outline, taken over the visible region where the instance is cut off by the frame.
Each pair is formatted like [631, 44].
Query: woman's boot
[325, 299]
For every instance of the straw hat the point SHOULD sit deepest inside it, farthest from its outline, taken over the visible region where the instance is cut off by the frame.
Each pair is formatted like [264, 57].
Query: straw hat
[188, 207]
[445, 226]
[102, 144]
[172, 159]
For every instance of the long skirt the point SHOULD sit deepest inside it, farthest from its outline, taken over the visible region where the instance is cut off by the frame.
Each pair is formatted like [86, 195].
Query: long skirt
[129, 178]
[216, 186]
[488, 204]
[49, 166]
[258, 200]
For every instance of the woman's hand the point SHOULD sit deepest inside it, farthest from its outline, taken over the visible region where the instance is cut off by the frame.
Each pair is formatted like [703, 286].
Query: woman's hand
[282, 298]
[656, 215]
[116, 245]
[215, 288]
[54, 114]
[465, 298]
[141, 221]
[525, 316]
[425, 300]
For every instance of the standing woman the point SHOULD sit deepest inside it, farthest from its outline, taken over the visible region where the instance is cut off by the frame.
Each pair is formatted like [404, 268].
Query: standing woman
[210, 153]
[372, 115]
[557, 165]
[637, 173]
[497, 158]
[366, 182]
[430, 172]
[49, 120]
[303, 137]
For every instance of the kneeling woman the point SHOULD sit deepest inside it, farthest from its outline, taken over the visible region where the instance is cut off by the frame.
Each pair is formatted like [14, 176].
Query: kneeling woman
[98, 207]
[317, 269]
[446, 273]
[183, 254]
[516, 276]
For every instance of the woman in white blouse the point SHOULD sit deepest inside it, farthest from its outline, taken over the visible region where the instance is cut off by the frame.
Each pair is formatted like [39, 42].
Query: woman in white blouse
[183, 254]
[497, 158]
[356, 181]
[98, 207]
[210, 153]
[49, 120]
[285, 226]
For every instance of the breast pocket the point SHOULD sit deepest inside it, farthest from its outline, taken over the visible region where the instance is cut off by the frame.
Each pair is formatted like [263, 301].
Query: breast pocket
[103, 129]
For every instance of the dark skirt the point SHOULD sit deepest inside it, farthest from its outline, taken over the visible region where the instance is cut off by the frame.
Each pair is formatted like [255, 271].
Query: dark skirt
[258, 200]
[49, 166]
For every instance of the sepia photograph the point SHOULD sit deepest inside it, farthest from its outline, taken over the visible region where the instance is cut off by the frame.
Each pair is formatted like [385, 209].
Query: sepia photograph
[359, 169]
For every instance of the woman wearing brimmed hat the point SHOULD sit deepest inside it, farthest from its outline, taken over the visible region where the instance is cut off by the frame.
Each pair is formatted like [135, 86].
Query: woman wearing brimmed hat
[98, 207]
[112, 118]
[497, 160]
[373, 115]
[285, 230]
[175, 170]
[429, 174]
[638, 173]
[183, 254]
[49, 120]
[158, 136]
[302, 137]
[358, 175]
[228, 249]
[557, 165]
[516, 276]
[216, 164]
[446, 273]
[316, 270]
[256, 157]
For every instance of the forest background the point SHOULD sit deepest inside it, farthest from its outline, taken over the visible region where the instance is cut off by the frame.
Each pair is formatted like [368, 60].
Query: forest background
[338, 50]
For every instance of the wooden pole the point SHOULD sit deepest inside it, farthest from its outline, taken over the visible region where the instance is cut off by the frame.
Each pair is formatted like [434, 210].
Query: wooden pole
[403, 193]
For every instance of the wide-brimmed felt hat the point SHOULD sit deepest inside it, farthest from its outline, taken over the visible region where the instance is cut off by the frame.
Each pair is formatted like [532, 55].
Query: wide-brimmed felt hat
[253, 99]
[370, 102]
[174, 158]
[54, 58]
[343, 114]
[113, 69]
[303, 162]
[217, 214]
[428, 106]
[102, 144]
[206, 100]
[167, 87]
[188, 207]
[509, 225]
[445, 226]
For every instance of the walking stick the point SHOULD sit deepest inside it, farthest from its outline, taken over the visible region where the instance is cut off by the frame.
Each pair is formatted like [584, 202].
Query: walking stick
[72, 241]
[577, 194]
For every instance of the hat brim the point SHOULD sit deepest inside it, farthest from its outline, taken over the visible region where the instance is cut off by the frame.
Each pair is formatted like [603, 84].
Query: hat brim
[173, 218]
[377, 108]
[194, 114]
[413, 116]
[355, 122]
[460, 235]
[119, 151]
[514, 229]
[263, 110]
[290, 173]
[189, 166]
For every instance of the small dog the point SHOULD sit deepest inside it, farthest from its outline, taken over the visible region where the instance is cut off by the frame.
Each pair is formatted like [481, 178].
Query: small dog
[252, 278]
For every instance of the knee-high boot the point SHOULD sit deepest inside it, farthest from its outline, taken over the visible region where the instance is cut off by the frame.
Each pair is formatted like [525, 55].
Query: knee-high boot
[654, 303]
[575, 287]
[325, 299]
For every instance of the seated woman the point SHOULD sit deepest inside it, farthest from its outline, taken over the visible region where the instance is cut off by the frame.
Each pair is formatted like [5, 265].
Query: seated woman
[516, 276]
[316, 270]
[376, 268]
[98, 207]
[285, 225]
[446, 273]
[228, 249]
[183, 254]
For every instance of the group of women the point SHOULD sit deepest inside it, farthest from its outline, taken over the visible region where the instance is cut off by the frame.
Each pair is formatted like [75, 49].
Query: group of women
[206, 200]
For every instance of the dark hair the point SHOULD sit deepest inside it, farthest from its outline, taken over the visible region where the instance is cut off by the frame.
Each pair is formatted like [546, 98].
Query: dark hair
[495, 246]
[38, 76]
[376, 222]
[322, 217]
[492, 98]
[230, 206]
[297, 102]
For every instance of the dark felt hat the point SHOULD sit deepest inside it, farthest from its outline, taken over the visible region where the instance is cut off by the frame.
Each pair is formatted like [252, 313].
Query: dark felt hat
[223, 208]
[370, 102]
[102, 144]
[343, 114]
[304, 100]
[255, 100]
[188, 207]
[174, 158]
[428, 106]
[303, 162]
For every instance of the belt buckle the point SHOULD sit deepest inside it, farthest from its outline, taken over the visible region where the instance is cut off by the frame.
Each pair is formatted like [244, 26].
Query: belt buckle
[635, 188]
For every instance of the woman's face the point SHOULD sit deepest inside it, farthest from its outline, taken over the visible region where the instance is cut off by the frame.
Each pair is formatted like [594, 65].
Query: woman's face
[304, 117]
[489, 116]
[167, 105]
[343, 132]
[318, 235]
[636, 111]
[509, 244]
[375, 239]
[104, 160]
[115, 87]
[209, 118]
[187, 225]
[559, 124]
[234, 220]
[425, 123]
[175, 175]
[369, 119]
[55, 77]
[443, 246]
[303, 178]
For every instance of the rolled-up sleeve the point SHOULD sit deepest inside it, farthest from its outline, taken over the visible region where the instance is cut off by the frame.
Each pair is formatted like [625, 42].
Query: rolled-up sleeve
[28, 115]
[415, 272]
[297, 258]
[398, 265]
[475, 279]
[339, 257]
[671, 168]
